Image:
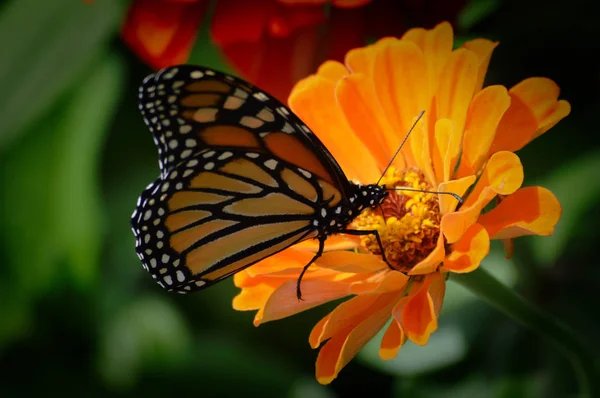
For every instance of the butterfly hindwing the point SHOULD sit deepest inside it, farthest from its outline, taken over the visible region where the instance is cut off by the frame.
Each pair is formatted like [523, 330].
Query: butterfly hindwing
[221, 211]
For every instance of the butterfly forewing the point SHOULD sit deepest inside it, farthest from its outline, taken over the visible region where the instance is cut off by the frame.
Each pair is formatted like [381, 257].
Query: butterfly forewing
[190, 108]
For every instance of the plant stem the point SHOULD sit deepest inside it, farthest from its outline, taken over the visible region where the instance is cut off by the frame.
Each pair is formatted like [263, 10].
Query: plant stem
[506, 300]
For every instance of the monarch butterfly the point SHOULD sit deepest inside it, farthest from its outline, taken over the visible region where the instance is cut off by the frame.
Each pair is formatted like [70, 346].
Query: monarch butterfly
[241, 178]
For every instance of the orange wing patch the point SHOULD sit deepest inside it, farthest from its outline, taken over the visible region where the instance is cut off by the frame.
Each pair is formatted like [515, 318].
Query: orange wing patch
[276, 204]
[299, 185]
[182, 219]
[185, 199]
[201, 100]
[212, 181]
[253, 258]
[330, 192]
[202, 258]
[245, 168]
[291, 149]
[181, 241]
[209, 85]
[230, 136]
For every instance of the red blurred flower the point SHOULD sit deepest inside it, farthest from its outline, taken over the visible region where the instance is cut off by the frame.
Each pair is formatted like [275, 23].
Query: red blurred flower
[273, 43]
[162, 32]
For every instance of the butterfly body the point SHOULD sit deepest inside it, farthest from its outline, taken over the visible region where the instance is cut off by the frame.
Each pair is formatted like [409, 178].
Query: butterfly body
[241, 178]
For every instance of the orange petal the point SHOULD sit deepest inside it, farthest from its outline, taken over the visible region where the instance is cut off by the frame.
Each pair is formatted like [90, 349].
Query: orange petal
[287, 259]
[467, 253]
[437, 291]
[283, 302]
[483, 116]
[445, 150]
[533, 110]
[348, 314]
[420, 144]
[287, 265]
[345, 261]
[332, 70]
[418, 317]
[243, 280]
[454, 225]
[448, 203]
[384, 282]
[456, 86]
[360, 60]
[416, 35]
[503, 173]
[252, 298]
[314, 339]
[436, 45]
[483, 48]
[529, 211]
[316, 105]
[344, 345]
[356, 96]
[400, 81]
[392, 341]
[430, 263]
[334, 242]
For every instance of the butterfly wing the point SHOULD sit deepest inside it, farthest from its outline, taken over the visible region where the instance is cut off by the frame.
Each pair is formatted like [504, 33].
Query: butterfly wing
[221, 211]
[189, 108]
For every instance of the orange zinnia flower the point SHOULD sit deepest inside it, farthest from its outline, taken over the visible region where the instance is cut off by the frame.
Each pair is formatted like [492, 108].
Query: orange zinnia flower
[464, 144]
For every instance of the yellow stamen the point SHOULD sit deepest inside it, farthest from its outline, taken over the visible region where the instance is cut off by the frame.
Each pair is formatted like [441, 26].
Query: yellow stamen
[410, 224]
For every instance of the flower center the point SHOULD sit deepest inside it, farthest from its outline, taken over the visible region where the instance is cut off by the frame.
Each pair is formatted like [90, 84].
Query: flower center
[410, 224]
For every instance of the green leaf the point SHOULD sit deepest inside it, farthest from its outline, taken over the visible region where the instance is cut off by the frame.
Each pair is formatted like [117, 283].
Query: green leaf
[204, 51]
[51, 215]
[46, 48]
[148, 333]
[476, 11]
[77, 214]
[496, 264]
[309, 387]
[252, 371]
[519, 310]
[577, 187]
[475, 384]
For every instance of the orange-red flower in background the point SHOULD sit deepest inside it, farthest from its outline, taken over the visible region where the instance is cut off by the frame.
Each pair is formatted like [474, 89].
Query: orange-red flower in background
[162, 32]
[272, 43]
[464, 144]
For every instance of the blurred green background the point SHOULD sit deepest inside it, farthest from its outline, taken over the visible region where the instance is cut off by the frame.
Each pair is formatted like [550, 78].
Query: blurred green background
[80, 317]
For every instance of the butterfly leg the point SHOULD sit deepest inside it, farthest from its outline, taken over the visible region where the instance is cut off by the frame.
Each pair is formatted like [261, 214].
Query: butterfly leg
[357, 232]
[317, 255]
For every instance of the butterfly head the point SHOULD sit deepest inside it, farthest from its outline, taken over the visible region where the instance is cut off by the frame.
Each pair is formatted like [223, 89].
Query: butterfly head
[371, 195]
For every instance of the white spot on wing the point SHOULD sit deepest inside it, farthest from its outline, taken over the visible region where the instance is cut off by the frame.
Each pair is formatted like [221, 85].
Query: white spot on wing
[271, 164]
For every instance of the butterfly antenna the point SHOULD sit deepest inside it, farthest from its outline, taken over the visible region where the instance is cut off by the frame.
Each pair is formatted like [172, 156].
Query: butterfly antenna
[401, 145]
[457, 197]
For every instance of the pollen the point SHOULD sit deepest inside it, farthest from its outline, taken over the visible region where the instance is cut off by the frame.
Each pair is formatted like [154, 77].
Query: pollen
[408, 221]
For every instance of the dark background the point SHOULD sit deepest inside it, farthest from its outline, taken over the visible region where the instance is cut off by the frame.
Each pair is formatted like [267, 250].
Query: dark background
[80, 317]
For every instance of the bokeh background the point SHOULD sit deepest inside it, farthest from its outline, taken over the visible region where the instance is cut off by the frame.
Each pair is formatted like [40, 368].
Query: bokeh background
[80, 317]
